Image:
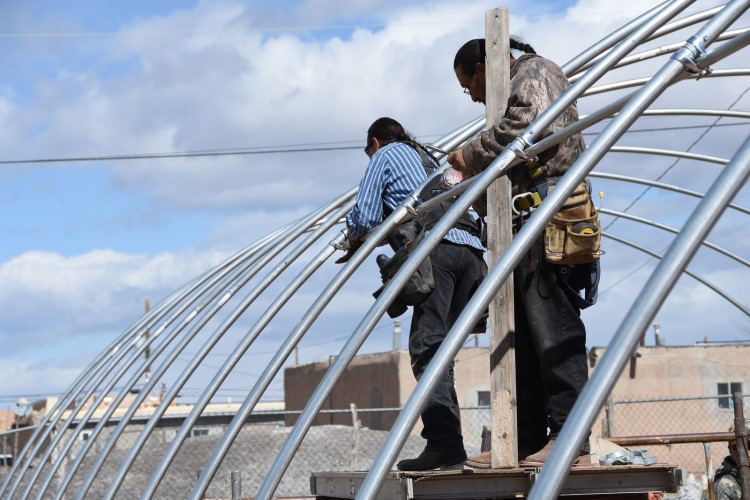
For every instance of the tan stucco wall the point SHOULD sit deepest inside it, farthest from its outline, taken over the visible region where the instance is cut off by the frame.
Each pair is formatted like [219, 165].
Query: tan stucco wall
[385, 380]
[660, 372]
[678, 372]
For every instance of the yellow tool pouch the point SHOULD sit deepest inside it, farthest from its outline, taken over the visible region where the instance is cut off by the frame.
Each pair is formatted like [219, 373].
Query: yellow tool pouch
[574, 234]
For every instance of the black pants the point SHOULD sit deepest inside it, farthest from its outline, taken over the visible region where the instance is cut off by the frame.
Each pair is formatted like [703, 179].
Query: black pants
[551, 360]
[458, 270]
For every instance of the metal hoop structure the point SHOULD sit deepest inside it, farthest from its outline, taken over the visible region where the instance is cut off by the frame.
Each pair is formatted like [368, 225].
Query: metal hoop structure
[192, 322]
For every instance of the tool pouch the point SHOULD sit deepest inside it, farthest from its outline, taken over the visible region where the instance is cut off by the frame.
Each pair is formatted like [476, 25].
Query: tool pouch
[573, 236]
[420, 284]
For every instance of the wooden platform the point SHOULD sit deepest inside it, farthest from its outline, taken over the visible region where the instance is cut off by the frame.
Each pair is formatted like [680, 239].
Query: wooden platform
[616, 482]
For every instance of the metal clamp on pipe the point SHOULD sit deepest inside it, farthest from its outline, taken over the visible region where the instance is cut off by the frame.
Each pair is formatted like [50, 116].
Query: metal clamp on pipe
[688, 55]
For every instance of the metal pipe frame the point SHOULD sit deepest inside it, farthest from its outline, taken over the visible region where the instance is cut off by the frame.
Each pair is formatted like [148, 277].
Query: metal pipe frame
[131, 337]
[97, 374]
[342, 206]
[697, 227]
[378, 234]
[198, 318]
[744, 310]
[201, 312]
[660, 185]
[184, 342]
[112, 364]
[673, 230]
[637, 321]
[219, 377]
[505, 265]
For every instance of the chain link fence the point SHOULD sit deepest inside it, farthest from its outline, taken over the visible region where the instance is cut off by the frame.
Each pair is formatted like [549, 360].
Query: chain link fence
[689, 415]
[338, 447]
[349, 445]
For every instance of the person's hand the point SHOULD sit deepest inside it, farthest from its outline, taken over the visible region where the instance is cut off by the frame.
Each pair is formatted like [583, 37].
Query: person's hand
[456, 159]
[353, 247]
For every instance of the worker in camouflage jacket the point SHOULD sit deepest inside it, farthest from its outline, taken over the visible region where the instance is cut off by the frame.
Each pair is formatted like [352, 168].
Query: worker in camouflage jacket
[727, 479]
[550, 342]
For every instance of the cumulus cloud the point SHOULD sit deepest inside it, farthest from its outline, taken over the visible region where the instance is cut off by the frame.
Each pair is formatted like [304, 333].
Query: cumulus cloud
[46, 294]
[208, 78]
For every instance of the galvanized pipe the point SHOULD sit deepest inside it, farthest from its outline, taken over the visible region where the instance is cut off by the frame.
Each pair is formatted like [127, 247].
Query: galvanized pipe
[51, 420]
[213, 386]
[294, 254]
[743, 309]
[98, 374]
[668, 187]
[514, 252]
[200, 311]
[640, 316]
[247, 273]
[579, 62]
[400, 214]
[639, 82]
[108, 387]
[672, 230]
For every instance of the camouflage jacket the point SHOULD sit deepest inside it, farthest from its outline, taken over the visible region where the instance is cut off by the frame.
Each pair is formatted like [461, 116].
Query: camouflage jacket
[727, 480]
[535, 82]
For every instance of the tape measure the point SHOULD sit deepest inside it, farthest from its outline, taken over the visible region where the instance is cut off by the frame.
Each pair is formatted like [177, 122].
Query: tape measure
[585, 228]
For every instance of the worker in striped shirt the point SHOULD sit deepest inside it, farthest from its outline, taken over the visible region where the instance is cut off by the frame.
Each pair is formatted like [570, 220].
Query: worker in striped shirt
[396, 171]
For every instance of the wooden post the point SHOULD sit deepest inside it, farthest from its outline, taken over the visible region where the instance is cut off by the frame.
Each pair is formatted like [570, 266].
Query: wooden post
[499, 235]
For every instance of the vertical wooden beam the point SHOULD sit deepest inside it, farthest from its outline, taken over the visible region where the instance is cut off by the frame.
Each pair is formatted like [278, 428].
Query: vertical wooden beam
[499, 235]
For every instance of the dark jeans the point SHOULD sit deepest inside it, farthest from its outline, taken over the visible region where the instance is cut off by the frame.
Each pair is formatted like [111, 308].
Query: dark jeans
[550, 343]
[458, 270]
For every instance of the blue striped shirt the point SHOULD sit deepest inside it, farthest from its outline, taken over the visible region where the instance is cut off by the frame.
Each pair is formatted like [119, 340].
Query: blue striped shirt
[395, 171]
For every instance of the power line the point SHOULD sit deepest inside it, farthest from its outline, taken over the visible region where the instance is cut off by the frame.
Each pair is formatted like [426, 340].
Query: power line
[299, 148]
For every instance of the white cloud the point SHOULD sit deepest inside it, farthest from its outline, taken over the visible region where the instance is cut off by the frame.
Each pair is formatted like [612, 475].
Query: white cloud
[204, 78]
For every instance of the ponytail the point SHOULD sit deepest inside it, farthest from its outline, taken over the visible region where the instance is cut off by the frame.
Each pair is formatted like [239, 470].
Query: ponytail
[388, 130]
[473, 52]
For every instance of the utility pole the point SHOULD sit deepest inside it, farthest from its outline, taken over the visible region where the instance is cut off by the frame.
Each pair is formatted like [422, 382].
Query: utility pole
[499, 236]
[147, 352]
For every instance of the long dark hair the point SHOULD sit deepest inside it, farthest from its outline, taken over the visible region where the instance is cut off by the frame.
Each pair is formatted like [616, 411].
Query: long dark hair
[473, 52]
[388, 130]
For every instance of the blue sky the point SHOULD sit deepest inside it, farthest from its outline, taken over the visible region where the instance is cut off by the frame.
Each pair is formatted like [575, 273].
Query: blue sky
[85, 243]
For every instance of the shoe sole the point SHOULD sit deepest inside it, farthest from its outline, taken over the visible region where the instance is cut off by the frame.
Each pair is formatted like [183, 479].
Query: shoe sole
[477, 465]
[442, 467]
[452, 467]
[582, 461]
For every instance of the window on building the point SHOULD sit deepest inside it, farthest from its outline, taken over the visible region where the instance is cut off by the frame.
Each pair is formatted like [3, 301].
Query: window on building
[726, 389]
[84, 436]
[483, 398]
[198, 432]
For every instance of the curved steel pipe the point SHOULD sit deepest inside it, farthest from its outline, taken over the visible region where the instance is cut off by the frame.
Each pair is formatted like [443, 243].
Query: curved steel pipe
[246, 274]
[592, 397]
[201, 312]
[513, 253]
[744, 310]
[673, 230]
[638, 320]
[660, 185]
[293, 255]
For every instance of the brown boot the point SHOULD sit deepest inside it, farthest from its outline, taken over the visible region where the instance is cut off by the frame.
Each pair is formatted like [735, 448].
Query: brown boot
[541, 456]
[481, 461]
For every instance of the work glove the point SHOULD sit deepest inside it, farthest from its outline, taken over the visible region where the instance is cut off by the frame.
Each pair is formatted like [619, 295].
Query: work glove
[353, 247]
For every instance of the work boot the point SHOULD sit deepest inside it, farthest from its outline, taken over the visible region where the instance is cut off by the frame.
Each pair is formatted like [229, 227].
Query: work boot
[432, 459]
[541, 456]
[484, 460]
[480, 461]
